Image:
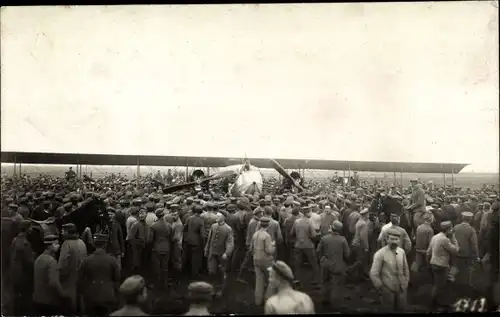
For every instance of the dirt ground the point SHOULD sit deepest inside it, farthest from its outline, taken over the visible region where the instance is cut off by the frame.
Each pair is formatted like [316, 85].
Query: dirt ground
[359, 297]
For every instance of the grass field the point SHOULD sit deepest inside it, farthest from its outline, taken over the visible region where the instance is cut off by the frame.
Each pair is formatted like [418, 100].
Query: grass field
[471, 180]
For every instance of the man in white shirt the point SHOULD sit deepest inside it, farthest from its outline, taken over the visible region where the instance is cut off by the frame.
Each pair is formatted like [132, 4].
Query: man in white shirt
[390, 273]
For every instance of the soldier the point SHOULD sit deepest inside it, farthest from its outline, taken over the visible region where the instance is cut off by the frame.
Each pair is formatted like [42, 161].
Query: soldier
[442, 246]
[273, 228]
[327, 219]
[418, 201]
[73, 251]
[304, 234]
[21, 269]
[177, 239]
[116, 245]
[468, 254]
[405, 242]
[220, 244]
[424, 234]
[361, 246]
[200, 296]
[390, 273]
[239, 236]
[286, 300]
[48, 294]
[160, 237]
[333, 251]
[24, 209]
[194, 241]
[98, 279]
[133, 291]
[263, 248]
[187, 209]
[289, 239]
[137, 239]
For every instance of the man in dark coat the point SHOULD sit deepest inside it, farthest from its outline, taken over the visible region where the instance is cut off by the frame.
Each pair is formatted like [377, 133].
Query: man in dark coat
[99, 279]
[21, 269]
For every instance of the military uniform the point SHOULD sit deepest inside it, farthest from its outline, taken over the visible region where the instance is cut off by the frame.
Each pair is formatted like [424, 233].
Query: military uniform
[160, 237]
[218, 250]
[333, 251]
[304, 234]
[194, 242]
[199, 293]
[468, 253]
[73, 251]
[98, 281]
[21, 272]
[262, 249]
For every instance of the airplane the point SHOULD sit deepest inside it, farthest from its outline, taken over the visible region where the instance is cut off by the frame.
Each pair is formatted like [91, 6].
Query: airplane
[247, 179]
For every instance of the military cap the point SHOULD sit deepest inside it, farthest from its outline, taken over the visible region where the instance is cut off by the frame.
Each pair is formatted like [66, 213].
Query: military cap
[233, 200]
[29, 194]
[427, 216]
[99, 237]
[159, 205]
[283, 270]
[393, 232]
[257, 211]
[150, 206]
[159, 212]
[69, 227]
[264, 219]
[137, 201]
[414, 180]
[492, 196]
[487, 205]
[67, 205]
[200, 288]
[23, 200]
[132, 285]
[393, 215]
[262, 202]
[189, 199]
[472, 197]
[337, 225]
[445, 224]
[224, 213]
[13, 206]
[296, 203]
[198, 208]
[364, 211]
[73, 197]
[276, 200]
[467, 214]
[231, 207]
[25, 224]
[306, 208]
[49, 239]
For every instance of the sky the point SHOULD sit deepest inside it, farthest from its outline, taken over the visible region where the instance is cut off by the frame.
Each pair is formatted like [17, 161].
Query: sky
[413, 82]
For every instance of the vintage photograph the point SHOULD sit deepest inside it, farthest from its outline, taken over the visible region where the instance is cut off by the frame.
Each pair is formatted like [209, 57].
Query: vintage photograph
[292, 158]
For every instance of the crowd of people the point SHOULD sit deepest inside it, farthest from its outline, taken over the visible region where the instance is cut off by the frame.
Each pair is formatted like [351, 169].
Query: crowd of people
[336, 231]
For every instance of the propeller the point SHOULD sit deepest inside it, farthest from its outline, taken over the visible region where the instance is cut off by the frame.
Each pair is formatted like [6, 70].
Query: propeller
[216, 176]
[283, 173]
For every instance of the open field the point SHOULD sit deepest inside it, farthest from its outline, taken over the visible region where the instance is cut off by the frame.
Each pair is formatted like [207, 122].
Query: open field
[472, 180]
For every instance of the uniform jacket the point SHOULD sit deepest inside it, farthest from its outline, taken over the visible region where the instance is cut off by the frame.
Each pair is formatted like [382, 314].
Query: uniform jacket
[390, 269]
[161, 236]
[361, 235]
[116, 245]
[99, 278]
[194, 230]
[22, 260]
[440, 249]
[73, 251]
[209, 218]
[47, 288]
[274, 230]
[139, 233]
[287, 230]
[327, 220]
[352, 220]
[220, 240]
[304, 233]
[251, 229]
[334, 250]
[418, 200]
[262, 247]
[423, 237]
[467, 240]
